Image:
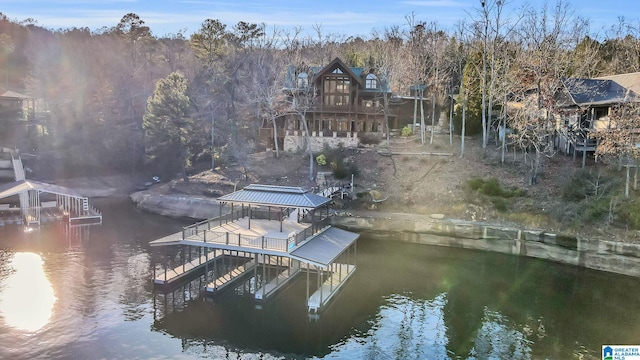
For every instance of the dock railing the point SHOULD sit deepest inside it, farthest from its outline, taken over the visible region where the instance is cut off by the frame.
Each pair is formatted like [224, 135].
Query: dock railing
[202, 231]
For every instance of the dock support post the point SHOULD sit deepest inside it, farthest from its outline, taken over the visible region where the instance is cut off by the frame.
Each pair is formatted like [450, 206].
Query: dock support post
[165, 264]
[183, 258]
[307, 281]
[255, 275]
[321, 281]
[264, 275]
[206, 265]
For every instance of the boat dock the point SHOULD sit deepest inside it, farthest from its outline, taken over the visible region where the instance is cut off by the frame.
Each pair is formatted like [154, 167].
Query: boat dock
[235, 273]
[330, 286]
[31, 203]
[276, 234]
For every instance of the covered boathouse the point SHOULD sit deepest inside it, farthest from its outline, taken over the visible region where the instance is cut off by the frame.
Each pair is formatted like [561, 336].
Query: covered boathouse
[270, 233]
[30, 202]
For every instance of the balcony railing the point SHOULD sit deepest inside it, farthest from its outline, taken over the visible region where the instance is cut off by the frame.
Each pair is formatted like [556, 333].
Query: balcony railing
[347, 108]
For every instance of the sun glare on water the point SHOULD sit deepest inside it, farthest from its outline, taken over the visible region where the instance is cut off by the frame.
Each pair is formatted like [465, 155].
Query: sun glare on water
[26, 296]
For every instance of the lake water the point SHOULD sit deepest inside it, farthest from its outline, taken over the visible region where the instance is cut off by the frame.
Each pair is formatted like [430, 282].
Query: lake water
[86, 293]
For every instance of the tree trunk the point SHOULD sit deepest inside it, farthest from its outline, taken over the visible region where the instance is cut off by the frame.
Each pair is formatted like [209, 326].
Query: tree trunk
[484, 90]
[626, 184]
[386, 117]
[451, 122]
[183, 162]
[433, 117]
[308, 138]
[433, 108]
[422, 124]
[415, 109]
[275, 136]
[464, 118]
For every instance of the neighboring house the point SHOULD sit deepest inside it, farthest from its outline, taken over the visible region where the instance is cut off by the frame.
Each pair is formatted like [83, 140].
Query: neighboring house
[16, 113]
[344, 103]
[11, 104]
[584, 105]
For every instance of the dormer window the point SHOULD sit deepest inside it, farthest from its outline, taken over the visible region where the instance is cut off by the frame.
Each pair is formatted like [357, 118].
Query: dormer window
[371, 81]
[303, 80]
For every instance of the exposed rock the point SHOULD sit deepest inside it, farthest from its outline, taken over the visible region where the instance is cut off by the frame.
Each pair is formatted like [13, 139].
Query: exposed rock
[176, 205]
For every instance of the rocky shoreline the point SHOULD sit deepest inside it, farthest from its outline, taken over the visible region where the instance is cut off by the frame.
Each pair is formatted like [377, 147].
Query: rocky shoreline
[611, 256]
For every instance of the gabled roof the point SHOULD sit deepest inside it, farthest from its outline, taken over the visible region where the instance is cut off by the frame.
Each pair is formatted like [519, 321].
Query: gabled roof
[273, 195]
[316, 72]
[21, 186]
[631, 81]
[595, 92]
[12, 95]
[337, 63]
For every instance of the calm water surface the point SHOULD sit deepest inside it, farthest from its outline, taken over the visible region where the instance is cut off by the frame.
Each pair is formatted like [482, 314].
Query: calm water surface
[86, 293]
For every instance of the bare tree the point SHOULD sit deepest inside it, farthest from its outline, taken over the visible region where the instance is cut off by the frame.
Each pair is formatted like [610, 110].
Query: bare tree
[546, 38]
[268, 89]
[389, 61]
[619, 139]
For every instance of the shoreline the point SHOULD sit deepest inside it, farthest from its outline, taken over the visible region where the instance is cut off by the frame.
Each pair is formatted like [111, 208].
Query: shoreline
[604, 255]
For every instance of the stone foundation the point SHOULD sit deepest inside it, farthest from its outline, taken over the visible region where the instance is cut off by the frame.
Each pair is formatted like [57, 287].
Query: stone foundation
[294, 141]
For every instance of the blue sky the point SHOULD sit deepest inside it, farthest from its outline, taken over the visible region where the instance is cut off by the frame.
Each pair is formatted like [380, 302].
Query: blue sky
[348, 17]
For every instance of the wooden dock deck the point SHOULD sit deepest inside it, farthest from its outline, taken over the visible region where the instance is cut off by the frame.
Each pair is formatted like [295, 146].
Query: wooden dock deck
[240, 235]
[224, 280]
[166, 277]
[278, 282]
[330, 287]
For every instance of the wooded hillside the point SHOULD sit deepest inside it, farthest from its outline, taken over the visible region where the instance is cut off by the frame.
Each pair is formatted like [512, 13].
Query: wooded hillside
[94, 86]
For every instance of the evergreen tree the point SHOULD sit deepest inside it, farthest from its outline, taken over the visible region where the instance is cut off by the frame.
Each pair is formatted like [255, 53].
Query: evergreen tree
[169, 131]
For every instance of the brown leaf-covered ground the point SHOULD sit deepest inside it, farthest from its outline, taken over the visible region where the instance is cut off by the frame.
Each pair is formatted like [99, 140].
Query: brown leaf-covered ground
[424, 180]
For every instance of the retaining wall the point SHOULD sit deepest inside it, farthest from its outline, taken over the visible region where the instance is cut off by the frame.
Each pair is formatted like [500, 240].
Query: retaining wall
[621, 258]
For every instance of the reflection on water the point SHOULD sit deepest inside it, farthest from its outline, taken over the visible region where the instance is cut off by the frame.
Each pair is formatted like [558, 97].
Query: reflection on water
[26, 296]
[404, 301]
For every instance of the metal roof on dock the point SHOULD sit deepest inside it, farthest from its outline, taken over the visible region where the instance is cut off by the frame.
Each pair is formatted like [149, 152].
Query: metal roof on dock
[274, 195]
[20, 186]
[324, 248]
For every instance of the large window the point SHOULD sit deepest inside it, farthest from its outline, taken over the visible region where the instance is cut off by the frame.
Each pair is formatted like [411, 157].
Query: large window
[337, 90]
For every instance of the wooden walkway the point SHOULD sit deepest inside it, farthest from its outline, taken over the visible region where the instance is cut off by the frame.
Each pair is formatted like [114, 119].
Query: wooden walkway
[330, 287]
[224, 280]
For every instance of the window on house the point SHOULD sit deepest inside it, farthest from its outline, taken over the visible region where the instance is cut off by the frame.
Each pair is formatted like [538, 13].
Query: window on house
[371, 81]
[337, 71]
[337, 90]
[303, 80]
[600, 112]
